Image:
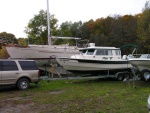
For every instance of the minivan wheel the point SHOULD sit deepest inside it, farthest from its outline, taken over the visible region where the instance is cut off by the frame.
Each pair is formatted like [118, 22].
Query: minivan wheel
[23, 84]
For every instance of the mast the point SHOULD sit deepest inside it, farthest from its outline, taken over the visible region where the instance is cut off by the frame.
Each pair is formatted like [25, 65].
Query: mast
[48, 24]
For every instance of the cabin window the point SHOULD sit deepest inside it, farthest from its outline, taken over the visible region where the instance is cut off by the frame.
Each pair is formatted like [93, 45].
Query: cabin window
[118, 52]
[100, 52]
[90, 51]
[109, 52]
[103, 52]
[83, 52]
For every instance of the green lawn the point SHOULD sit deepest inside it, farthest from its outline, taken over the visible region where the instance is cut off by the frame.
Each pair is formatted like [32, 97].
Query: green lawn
[80, 96]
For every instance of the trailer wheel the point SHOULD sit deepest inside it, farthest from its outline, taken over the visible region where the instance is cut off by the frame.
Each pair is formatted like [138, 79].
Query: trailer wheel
[126, 76]
[145, 74]
[120, 77]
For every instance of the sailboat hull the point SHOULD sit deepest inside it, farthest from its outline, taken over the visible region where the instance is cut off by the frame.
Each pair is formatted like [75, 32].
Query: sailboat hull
[38, 52]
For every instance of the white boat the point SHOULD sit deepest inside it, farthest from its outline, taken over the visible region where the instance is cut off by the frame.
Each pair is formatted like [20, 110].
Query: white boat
[95, 60]
[142, 63]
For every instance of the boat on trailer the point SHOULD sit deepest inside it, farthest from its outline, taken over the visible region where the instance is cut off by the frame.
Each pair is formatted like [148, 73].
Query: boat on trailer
[95, 60]
[142, 63]
[44, 55]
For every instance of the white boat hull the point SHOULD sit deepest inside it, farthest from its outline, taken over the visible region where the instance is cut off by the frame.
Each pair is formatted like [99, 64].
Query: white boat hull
[141, 64]
[89, 66]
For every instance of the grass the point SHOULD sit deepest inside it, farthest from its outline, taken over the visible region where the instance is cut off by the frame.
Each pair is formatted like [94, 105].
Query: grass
[83, 96]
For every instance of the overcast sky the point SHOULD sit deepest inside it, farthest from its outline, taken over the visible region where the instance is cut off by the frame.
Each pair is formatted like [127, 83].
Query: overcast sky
[15, 14]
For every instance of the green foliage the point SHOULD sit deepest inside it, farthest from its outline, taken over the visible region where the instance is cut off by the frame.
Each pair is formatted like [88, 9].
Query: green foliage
[5, 34]
[37, 27]
[65, 29]
[3, 53]
[143, 29]
[8, 38]
[80, 96]
[23, 41]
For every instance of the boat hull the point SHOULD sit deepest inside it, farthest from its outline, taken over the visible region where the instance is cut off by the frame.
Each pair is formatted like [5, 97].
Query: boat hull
[92, 66]
[40, 52]
[141, 64]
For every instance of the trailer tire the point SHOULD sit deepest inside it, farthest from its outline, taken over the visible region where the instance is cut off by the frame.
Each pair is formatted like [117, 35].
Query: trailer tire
[126, 76]
[120, 77]
[145, 75]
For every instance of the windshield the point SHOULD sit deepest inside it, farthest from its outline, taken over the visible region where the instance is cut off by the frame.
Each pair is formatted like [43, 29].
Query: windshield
[90, 51]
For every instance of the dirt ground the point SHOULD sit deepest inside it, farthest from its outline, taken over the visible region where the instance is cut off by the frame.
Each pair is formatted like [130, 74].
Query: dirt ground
[9, 106]
[12, 101]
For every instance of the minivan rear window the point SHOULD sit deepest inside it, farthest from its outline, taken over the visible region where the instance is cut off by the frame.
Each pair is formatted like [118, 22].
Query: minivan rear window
[28, 65]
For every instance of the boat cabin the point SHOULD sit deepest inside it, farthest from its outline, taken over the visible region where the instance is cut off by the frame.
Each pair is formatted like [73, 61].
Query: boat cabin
[104, 53]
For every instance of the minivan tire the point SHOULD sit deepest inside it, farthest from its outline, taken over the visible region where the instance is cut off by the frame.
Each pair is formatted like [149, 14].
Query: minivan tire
[23, 84]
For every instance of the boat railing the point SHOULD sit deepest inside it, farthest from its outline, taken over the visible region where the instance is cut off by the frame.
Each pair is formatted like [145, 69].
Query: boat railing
[68, 52]
[130, 56]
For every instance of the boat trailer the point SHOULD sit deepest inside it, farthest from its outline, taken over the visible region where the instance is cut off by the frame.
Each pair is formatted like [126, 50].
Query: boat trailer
[121, 76]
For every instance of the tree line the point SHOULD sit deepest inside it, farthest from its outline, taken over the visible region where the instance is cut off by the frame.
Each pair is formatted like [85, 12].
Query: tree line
[118, 31]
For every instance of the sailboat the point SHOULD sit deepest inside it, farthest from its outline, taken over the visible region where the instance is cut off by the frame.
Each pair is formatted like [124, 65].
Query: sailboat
[43, 54]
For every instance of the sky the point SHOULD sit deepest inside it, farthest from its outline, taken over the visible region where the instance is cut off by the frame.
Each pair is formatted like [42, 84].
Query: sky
[15, 14]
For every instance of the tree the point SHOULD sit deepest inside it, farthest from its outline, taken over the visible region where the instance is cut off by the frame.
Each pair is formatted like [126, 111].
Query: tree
[37, 28]
[76, 29]
[8, 38]
[64, 29]
[23, 41]
[143, 29]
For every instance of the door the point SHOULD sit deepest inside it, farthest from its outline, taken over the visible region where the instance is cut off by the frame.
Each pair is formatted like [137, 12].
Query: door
[9, 72]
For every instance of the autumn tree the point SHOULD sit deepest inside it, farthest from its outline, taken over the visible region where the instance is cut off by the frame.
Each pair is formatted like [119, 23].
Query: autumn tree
[143, 29]
[23, 41]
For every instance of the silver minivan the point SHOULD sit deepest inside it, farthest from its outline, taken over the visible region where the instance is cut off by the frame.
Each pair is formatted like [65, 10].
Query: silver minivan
[18, 72]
